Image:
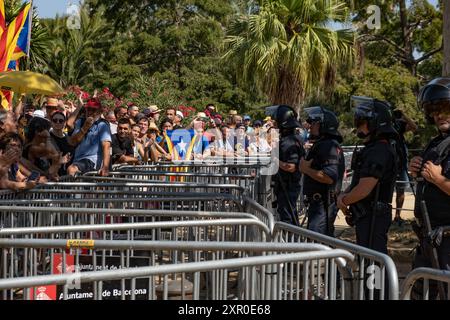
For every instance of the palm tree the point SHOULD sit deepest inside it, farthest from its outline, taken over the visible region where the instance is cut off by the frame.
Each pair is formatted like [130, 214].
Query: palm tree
[75, 53]
[288, 48]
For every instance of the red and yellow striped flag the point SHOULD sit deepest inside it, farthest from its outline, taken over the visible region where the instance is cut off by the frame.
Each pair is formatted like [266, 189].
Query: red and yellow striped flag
[2, 16]
[9, 37]
[4, 94]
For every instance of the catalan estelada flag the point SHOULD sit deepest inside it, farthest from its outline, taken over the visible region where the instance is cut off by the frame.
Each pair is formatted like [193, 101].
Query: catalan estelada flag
[23, 42]
[9, 38]
[13, 65]
[14, 43]
[4, 94]
[2, 16]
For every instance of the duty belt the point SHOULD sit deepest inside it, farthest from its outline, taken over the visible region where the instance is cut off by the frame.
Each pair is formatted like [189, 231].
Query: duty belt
[315, 197]
[318, 196]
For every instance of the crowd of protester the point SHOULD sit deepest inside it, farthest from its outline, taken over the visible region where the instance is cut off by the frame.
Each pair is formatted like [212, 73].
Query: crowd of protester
[65, 138]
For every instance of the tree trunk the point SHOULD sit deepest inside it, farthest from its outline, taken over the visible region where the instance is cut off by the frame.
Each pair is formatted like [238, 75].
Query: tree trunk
[287, 91]
[446, 39]
[408, 57]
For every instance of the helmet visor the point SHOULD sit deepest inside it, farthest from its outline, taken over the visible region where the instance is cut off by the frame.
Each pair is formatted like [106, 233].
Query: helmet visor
[363, 109]
[314, 114]
[272, 111]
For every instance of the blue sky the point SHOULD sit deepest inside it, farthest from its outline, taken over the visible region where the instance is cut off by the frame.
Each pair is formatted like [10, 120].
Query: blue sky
[49, 8]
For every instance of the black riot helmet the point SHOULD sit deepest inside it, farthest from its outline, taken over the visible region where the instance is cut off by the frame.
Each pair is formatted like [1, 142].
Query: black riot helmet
[378, 115]
[435, 96]
[329, 123]
[284, 115]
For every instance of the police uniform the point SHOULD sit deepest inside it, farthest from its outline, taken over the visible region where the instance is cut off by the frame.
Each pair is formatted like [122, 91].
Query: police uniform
[287, 185]
[433, 99]
[290, 150]
[438, 206]
[372, 216]
[327, 157]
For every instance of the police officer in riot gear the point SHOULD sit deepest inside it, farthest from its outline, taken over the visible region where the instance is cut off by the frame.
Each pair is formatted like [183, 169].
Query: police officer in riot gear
[432, 170]
[369, 195]
[287, 179]
[323, 170]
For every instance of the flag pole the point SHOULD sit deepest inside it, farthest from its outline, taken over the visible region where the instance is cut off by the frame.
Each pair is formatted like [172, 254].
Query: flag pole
[30, 25]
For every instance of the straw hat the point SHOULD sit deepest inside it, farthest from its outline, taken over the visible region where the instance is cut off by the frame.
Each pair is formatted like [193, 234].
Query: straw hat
[154, 109]
[51, 102]
[152, 126]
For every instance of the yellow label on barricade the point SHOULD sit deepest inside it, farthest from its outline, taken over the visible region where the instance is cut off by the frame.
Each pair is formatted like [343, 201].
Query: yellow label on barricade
[74, 243]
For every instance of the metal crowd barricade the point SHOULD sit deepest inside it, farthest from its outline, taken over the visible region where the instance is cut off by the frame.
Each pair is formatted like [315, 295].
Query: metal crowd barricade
[426, 275]
[245, 166]
[251, 173]
[197, 229]
[41, 213]
[259, 271]
[7, 195]
[247, 182]
[91, 185]
[377, 275]
[203, 226]
[105, 207]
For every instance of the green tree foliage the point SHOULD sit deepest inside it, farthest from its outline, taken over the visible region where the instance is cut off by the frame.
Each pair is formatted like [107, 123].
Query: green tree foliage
[169, 53]
[410, 34]
[287, 49]
[76, 55]
[395, 85]
[177, 42]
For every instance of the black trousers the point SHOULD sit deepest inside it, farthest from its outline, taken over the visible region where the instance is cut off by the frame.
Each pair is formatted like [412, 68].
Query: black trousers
[423, 259]
[382, 222]
[283, 198]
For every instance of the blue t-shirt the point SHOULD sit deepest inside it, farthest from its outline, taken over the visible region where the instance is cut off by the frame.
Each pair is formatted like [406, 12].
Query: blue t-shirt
[91, 146]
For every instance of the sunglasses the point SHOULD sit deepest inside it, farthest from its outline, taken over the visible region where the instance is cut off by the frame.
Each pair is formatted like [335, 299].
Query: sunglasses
[58, 120]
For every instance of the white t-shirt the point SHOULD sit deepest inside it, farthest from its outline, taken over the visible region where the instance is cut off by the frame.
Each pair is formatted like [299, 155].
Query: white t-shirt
[113, 128]
[261, 147]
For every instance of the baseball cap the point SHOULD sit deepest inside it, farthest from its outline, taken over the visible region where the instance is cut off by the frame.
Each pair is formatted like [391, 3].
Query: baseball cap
[180, 114]
[201, 115]
[93, 104]
[147, 112]
[247, 118]
[39, 114]
[257, 123]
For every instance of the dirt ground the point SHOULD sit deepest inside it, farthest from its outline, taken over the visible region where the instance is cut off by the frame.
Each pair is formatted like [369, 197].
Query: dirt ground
[402, 239]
